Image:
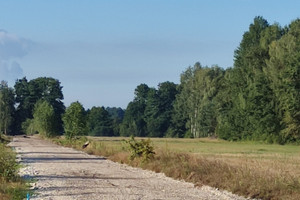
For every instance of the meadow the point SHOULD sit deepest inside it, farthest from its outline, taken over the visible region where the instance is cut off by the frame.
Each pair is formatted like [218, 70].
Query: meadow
[250, 169]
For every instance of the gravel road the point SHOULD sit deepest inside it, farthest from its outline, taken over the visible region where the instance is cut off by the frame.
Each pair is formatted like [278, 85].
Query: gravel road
[64, 173]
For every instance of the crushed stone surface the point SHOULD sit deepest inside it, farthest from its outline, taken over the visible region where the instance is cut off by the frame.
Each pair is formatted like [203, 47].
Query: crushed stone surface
[62, 173]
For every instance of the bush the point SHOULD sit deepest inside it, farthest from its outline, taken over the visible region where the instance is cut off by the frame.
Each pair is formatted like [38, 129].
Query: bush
[8, 165]
[11, 185]
[140, 149]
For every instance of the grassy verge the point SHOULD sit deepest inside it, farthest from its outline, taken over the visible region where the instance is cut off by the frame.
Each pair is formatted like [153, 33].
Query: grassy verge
[250, 169]
[11, 185]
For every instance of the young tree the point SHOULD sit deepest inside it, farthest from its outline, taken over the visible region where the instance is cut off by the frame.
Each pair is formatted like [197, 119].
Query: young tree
[74, 120]
[44, 119]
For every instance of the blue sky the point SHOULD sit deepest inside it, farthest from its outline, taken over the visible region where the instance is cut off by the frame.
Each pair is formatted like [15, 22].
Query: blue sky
[101, 50]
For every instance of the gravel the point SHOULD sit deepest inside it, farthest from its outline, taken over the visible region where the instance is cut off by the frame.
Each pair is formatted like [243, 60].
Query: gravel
[63, 173]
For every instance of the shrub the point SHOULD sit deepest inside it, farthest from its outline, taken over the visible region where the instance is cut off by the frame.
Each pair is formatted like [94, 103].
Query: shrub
[11, 186]
[143, 149]
[8, 166]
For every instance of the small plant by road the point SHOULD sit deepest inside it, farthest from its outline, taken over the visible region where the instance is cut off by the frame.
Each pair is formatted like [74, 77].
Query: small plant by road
[140, 149]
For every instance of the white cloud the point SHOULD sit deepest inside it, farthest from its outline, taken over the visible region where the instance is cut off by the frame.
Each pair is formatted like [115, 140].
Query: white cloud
[10, 71]
[12, 48]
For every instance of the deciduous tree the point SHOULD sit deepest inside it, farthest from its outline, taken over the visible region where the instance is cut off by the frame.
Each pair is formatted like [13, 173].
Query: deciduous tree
[74, 120]
[44, 119]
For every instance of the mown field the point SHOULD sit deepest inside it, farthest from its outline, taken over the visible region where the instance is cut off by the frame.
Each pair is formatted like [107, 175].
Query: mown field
[250, 169]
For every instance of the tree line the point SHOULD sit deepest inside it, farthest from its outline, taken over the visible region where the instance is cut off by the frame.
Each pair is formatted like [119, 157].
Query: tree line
[36, 106]
[256, 99]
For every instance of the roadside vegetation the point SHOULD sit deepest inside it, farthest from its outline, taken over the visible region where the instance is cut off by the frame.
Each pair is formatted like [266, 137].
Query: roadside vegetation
[250, 169]
[12, 187]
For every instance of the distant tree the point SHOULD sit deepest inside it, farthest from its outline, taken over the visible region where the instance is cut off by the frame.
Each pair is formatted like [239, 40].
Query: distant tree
[196, 106]
[44, 118]
[117, 116]
[283, 70]
[179, 126]
[134, 122]
[99, 122]
[248, 112]
[115, 113]
[23, 106]
[159, 109]
[74, 120]
[6, 107]
[29, 92]
[151, 114]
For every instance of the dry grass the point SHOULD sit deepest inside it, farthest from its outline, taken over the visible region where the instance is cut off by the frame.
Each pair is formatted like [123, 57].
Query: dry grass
[250, 169]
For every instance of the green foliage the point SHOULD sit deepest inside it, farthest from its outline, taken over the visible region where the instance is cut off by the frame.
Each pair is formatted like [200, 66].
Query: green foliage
[249, 111]
[134, 122]
[115, 113]
[8, 165]
[29, 127]
[28, 93]
[256, 99]
[6, 107]
[117, 116]
[140, 149]
[283, 69]
[99, 122]
[150, 113]
[11, 185]
[196, 108]
[74, 120]
[159, 107]
[44, 119]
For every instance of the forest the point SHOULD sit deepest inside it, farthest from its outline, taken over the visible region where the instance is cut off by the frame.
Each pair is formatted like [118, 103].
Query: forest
[256, 99]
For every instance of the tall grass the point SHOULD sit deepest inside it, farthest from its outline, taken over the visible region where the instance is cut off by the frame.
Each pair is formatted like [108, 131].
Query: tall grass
[249, 169]
[11, 185]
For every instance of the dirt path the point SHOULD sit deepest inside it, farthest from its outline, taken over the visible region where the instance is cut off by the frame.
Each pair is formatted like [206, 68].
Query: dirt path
[64, 173]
